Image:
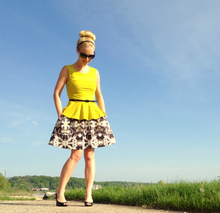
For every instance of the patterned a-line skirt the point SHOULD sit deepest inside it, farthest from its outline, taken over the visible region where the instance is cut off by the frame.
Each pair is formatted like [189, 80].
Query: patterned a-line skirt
[76, 134]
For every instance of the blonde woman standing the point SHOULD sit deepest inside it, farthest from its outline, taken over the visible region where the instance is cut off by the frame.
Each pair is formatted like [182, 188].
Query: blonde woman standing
[82, 124]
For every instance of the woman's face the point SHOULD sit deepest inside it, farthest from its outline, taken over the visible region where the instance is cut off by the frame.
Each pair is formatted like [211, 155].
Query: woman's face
[89, 50]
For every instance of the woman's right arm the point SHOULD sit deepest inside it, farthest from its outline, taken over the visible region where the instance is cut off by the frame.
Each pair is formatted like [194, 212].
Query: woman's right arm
[63, 78]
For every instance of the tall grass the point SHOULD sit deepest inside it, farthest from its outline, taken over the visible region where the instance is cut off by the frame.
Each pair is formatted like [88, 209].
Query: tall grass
[174, 196]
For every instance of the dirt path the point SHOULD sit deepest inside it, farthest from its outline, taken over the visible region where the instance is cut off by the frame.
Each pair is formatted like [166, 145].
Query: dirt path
[47, 206]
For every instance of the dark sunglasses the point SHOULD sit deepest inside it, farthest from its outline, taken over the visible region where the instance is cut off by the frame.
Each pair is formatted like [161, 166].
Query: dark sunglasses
[83, 55]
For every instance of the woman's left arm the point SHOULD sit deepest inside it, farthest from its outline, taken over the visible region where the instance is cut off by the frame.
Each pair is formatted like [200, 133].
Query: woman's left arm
[98, 93]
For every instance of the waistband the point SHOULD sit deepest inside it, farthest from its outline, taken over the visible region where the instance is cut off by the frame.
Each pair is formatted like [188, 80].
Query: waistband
[82, 100]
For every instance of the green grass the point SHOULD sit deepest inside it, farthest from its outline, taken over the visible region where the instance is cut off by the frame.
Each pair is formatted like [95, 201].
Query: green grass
[182, 196]
[15, 198]
[16, 195]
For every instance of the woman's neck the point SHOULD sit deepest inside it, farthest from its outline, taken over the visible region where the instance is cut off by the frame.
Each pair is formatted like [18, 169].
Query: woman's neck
[81, 68]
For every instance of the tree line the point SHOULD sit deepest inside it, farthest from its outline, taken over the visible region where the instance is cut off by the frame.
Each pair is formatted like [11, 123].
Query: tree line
[29, 182]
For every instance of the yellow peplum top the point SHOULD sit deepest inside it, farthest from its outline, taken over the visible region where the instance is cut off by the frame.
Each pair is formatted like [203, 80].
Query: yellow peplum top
[82, 86]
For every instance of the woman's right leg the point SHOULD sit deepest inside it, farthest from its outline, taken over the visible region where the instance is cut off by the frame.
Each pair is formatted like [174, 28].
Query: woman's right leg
[66, 173]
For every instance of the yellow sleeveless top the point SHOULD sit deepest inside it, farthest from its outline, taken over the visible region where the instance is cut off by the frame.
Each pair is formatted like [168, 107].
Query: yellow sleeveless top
[82, 86]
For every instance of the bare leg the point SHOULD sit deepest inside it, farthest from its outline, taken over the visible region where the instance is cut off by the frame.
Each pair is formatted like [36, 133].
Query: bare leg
[89, 155]
[66, 173]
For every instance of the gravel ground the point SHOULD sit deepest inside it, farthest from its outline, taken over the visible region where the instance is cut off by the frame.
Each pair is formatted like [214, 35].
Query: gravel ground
[48, 206]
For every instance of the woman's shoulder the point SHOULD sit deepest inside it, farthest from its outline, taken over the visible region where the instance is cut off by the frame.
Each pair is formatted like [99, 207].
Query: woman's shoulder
[69, 66]
[92, 69]
[71, 69]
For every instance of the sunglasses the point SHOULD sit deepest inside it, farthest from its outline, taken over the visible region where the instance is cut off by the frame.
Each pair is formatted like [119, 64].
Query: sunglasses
[83, 55]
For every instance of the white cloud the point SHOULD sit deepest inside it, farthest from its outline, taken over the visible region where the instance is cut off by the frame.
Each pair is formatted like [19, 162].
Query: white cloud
[38, 143]
[35, 123]
[6, 140]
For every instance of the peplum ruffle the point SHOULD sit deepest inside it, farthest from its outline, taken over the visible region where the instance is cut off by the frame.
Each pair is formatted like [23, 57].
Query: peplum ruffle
[83, 110]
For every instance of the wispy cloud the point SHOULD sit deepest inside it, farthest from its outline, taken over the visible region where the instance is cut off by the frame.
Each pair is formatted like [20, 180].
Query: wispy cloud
[39, 143]
[183, 34]
[16, 116]
[35, 123]
[178, 41]
[6, 140]
[32, 121]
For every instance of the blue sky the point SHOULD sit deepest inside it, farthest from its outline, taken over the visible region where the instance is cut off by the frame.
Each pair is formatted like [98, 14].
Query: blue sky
[159, 67]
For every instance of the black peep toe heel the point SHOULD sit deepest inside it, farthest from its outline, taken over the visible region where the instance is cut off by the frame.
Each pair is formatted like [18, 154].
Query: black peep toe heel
[58, 203]
[88, 203]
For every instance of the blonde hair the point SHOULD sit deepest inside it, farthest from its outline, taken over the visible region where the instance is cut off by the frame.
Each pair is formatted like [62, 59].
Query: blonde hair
[86, 39]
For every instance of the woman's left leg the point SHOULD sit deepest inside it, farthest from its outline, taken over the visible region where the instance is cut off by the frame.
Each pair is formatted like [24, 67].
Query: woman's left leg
[89, 155]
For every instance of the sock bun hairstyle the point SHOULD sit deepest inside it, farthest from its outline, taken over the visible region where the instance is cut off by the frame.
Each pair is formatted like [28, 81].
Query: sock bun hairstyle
[86, 39]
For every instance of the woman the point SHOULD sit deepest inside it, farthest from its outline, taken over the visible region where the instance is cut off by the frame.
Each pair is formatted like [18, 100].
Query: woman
[81, 125]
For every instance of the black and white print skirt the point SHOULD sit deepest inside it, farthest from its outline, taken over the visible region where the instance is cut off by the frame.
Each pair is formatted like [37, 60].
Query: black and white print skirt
[76, 134]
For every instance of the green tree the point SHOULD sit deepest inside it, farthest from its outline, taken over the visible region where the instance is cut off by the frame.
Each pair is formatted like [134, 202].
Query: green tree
[2, 183]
